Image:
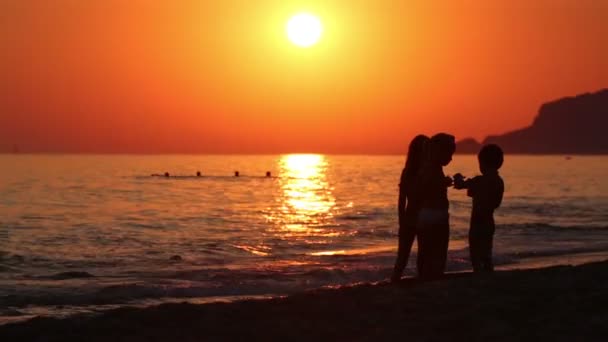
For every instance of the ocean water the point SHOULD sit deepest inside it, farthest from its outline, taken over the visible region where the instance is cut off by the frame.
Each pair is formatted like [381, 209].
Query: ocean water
[84, 233]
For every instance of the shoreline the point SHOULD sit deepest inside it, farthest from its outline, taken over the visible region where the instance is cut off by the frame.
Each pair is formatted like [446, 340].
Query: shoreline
[558, 303]
[16, 312]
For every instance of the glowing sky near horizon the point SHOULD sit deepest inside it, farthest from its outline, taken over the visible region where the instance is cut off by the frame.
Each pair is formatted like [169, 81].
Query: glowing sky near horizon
[222, 77]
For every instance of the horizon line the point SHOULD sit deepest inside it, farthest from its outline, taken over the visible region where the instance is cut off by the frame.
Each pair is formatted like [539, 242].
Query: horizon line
[267, 154]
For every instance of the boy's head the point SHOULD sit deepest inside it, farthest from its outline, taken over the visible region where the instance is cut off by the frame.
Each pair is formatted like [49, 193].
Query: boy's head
[490, 158]
[442, 147]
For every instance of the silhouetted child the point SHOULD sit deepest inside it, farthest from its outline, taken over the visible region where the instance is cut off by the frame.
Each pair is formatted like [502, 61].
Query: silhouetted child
[433, 223]
[408, 205]
[487, 191]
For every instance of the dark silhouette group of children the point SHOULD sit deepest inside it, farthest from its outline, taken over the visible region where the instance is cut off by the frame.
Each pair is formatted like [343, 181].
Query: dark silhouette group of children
[424, 206]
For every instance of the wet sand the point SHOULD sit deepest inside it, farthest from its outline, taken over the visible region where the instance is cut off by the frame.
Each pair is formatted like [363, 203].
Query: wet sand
[558, 304]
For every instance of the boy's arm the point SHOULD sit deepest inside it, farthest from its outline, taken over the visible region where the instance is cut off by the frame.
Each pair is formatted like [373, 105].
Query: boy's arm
[500, 193]
[472, 185]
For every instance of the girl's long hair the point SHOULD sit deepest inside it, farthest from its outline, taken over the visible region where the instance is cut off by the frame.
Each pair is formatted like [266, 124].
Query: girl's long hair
[416, 156]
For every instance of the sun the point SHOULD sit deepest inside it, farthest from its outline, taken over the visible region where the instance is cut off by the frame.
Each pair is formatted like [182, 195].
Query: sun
[304, 29]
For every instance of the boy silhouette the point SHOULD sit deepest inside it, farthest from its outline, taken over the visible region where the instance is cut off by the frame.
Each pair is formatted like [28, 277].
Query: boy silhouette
[487, 191]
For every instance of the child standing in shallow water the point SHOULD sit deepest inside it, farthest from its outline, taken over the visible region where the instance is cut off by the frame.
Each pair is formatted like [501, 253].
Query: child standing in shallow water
[408, 204]
[433, 222]
[487, 191]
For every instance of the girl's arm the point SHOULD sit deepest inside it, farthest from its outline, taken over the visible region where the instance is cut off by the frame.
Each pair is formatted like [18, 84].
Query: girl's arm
[401, 203]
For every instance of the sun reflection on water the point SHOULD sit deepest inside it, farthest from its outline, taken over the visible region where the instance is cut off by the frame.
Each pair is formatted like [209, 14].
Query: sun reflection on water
[306, 202]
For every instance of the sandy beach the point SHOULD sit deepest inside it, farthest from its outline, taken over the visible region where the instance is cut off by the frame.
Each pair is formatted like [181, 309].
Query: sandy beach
[557, 303]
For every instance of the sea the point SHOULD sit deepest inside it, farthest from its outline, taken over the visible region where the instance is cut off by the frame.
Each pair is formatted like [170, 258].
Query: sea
[81, 234]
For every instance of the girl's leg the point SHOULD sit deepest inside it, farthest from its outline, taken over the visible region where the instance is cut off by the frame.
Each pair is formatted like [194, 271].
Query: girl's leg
[419, 255]
[423, 250]
[406, 239]
[434, 241]
[443, 241]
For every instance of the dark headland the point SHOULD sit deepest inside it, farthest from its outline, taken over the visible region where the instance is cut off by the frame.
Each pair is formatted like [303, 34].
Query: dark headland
[571, 125]
[564, 303]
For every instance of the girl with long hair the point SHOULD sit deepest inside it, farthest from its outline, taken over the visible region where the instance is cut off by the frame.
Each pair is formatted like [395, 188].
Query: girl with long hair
[408, 204]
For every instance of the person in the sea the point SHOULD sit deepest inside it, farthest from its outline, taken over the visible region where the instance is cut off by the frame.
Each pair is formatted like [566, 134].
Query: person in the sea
[433, 224]
[408, 205]
[487, 192]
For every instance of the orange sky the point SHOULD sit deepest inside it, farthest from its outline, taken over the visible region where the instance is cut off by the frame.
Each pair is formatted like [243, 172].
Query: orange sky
[196, 76]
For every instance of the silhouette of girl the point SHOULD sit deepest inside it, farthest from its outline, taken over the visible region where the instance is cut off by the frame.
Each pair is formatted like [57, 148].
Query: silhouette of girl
[433, 227]
[408, 205]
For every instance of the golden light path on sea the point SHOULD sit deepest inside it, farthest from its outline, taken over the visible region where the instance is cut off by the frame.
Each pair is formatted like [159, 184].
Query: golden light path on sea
[306, 201]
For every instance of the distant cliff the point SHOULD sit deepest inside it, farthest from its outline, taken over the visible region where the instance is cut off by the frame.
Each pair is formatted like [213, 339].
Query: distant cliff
[572, 125]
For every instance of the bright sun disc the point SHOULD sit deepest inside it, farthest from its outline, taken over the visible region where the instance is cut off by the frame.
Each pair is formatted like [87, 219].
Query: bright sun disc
[304, 29]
